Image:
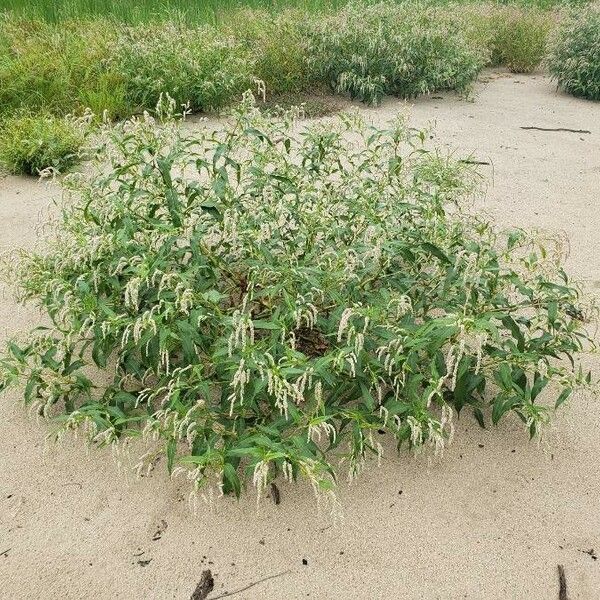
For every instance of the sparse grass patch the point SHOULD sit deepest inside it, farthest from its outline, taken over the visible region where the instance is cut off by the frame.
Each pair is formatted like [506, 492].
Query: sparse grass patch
[31, 143]
[310, 106]
[574, 60]
[260, 301]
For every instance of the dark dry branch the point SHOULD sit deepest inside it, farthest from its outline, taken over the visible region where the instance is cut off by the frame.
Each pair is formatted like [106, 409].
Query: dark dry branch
[557, 129]
[562, 584]
[275, 495]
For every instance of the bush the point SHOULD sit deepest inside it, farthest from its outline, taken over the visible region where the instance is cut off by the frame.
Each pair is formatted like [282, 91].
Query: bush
[262, 307]
[574, 60]
[515, 37]
[368, 51]
[520, 38]
[31, 143]
[195, 65]
[277, 44]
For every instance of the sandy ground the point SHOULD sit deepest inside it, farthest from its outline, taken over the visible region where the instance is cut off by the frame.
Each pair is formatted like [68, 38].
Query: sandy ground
[493, 519]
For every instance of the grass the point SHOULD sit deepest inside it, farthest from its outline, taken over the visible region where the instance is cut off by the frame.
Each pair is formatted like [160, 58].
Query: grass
[194, 11]
[133, 11]
[122, 69]
[515, 37]
[574, 60]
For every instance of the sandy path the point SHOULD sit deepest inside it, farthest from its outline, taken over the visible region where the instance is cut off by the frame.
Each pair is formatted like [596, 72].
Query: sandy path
[491, 520]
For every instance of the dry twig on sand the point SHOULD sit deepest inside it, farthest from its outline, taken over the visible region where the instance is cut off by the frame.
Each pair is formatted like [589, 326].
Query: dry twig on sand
[562, 583]
[250, 585]
[557, 129]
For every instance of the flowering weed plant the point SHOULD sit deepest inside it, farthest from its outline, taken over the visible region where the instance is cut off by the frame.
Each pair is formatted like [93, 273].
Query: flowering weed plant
[260, 300]
[574, 58]
[33, 143]
[372, 50]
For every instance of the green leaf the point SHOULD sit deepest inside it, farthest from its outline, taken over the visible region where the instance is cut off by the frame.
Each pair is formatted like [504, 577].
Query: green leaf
[479, 416]
[563, 396]
[437, 252]
[504, 377]
[512, 326]
[500, 407]
[231, 480]
[552, 312]
[171, 451]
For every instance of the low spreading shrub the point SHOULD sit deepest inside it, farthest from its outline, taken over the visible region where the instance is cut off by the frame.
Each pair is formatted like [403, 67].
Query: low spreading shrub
[262, 300]
[31, 143]
[198, 66]
[574, 60]
[369, 51]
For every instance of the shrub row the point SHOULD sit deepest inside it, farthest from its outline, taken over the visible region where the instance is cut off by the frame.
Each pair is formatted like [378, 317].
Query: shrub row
[365, 51]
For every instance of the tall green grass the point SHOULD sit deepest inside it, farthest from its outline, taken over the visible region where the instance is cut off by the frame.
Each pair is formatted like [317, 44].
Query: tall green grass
[193, 11]
[136, 11]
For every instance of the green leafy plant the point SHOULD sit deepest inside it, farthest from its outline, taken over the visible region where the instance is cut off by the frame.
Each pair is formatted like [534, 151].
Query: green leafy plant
[519, 37]
[262, 300]
[574, 60]
[195, 65]
[30, 143]
[369, 50]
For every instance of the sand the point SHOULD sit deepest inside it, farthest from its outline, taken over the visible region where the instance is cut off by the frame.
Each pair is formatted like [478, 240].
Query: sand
[492, 519]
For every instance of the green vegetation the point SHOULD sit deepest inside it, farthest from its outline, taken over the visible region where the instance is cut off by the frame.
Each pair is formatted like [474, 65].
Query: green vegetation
[58, 68]
[30, 143]
[365, 50]
[144, 11]
[198, 66]
[198, 11]
[277, 44]
[520, 38]
[575, 57]
[408, 51]
[253, 306]
[514, 37]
